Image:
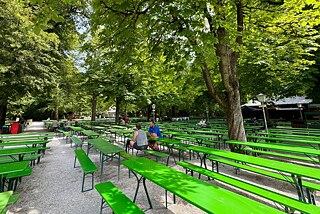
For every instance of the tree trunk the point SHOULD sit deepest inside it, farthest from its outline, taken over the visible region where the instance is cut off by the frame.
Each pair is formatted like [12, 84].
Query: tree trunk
[93, 107]
[118, 103]
[56, 116]
[3, 112]
[149, 110]
[173, 111]
[228, 58]
[236, 129]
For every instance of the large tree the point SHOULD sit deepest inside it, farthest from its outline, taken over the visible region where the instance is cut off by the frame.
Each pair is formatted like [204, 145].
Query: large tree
[209, 35]
[26, 58]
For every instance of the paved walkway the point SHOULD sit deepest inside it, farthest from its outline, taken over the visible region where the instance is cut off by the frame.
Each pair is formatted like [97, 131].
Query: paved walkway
[54, 186]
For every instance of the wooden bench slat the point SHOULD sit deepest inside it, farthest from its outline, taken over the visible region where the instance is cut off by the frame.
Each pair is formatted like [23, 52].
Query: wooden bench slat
[117, 201]
[274, 153]
[86, 164]
[265, 193]
[307, 184]
[127, 156]
[155, 153]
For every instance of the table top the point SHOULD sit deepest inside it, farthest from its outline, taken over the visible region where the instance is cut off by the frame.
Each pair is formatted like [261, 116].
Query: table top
[121, 130]
[17, 151]
[284, 139]
[204, 195]
[302, 132]
[6, 168]
[24, 143]
[24, 139]
[208, 132]
[196, 136]
[90, 133]
[4, 199]
[76, 128]
[120, 127]
[302, 171]
[104, 146]
[169, 141]
[284, 148]
[27, 134]
[296, 136]
[99, 127]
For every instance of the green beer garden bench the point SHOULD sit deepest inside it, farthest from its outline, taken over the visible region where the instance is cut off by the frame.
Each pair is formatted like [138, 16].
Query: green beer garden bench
[6, 199]
[289, 203]
[282, 155]
[14, 177]
[311, 187]
[116, 200]
[127, 156]
[87, 166]
[158, 155]
[76, 141]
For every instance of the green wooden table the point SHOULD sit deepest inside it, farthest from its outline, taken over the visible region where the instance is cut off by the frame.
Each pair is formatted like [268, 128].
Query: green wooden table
[198, 137]
[208, 197]
[107, 151]
[90, 133]
[216, 133]
[119, 127]
[76, 129]
[99, 129]
[122, 132]
[26, 143]
[28, 134]
[4, 199]
[302, 132]
[283, 148]
[297, 172]
[18, 151]
[286, 140]
[6, 168]
[294, 136]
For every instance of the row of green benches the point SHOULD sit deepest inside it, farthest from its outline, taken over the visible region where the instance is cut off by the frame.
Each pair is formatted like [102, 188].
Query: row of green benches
[290, 204]
[110, 194]
[7, 199]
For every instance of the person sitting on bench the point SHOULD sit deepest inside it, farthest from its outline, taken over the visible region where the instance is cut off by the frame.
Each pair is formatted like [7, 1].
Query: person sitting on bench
[154, 133]
[139, 141]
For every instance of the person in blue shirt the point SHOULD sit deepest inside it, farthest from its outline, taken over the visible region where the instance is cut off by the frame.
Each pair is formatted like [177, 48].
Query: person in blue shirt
[154, 132]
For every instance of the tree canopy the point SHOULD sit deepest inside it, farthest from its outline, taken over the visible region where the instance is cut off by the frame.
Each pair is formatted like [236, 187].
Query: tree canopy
[184, 56]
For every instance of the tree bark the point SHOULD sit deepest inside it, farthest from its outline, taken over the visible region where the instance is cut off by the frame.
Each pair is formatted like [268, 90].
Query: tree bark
[118, 103]
[93, 107]
[228, 59]
[3, 111]
[56, 116]
[173, 111]
[149, 110]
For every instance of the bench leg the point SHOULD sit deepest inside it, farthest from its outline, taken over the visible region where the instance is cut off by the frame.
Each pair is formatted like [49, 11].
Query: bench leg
[101, 207]
[92, 182]
[10, 184]
[310, 196]
[145, 188]
[15, 184]
[166, 196]
[75, 160]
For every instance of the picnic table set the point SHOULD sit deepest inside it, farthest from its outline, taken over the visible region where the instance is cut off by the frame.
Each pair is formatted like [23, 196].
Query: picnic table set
[204, 144]
[18, 153]
[192, 144]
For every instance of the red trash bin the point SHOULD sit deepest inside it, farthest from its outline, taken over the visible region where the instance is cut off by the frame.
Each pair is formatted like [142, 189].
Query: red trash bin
[15, 128]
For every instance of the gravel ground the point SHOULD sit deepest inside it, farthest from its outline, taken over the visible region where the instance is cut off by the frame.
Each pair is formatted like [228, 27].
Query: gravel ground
[55, 186]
